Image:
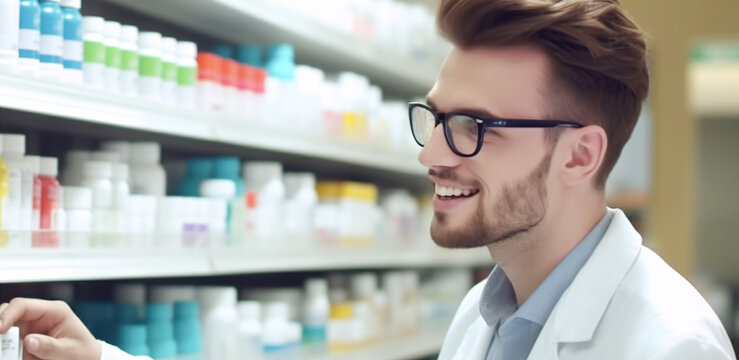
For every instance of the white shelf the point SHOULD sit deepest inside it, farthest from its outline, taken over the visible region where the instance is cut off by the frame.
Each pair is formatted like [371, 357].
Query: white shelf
[424, 344]
[714, 89]
[238, 20]
[38, 265]
[98, 106]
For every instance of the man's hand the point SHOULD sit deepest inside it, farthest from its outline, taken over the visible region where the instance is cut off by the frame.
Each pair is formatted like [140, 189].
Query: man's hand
[49, 329]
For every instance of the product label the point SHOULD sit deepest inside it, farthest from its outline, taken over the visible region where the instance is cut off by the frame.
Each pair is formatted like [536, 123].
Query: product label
[51, 49]
[9, 25]
[93, 52]
[169, 71]
[28, 43]
[187, 76]
[72, 58]
[150, 66]
[112, 57]
[129, 60]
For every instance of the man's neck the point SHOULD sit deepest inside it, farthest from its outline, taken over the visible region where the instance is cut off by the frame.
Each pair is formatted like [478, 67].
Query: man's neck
[528, 260]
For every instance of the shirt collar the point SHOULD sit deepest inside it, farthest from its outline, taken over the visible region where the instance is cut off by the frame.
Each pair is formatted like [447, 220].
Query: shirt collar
[498, 300]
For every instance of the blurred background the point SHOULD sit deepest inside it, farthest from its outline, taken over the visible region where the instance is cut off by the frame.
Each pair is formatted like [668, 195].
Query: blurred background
[221, 177]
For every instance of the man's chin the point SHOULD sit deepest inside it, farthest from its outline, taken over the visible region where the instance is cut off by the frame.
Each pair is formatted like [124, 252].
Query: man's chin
[450, 237]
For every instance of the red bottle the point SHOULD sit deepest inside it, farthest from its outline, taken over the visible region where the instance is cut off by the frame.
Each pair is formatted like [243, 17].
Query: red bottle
[50, 194]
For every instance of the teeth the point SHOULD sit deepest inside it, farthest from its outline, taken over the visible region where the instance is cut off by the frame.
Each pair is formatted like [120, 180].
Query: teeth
[449, 191]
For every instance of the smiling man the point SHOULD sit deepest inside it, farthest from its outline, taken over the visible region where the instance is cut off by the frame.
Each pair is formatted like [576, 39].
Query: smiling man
[526, 120]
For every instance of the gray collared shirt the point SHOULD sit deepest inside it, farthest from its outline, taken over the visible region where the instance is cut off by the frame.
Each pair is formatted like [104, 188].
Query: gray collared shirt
[516, 329]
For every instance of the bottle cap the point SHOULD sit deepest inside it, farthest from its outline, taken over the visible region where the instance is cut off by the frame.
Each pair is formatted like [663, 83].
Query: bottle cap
[74, 4]
[145, 153]
[130, 293]
[112, 30]
[93, 25]
[295, 181]
[98, 169]
[14, 144]
[230, 73]
[316, 286]
[186, 310]
[159, 312]
[259, 173]
[281, 51]
[218, 188]
[121, 147]
[260, 78]
[222, 50]
[249, 54]
[249, 310]
[76, 158]
[34, 162]
[171, 293]
[187, 50]
[246, 77]
[200, 167]
[76, 197]
[150, 40]
[107, 156]
[213, 296]
[226, 167]
[169, 46]
[49, 166]
[210, 67]
[120, 171]
[129, 34]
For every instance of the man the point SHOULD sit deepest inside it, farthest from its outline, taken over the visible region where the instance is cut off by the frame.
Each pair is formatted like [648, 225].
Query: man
[528, 116]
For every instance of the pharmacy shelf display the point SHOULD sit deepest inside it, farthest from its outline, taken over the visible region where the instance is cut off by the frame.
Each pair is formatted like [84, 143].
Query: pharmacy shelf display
[42, 265]
[714, 88]
[74, 103]
[229, 20]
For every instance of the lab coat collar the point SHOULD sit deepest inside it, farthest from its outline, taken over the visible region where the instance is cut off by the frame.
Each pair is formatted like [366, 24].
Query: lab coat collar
[575, 317]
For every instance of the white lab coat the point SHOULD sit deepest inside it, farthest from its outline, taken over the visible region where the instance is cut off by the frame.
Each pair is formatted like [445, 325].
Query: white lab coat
[625, 303]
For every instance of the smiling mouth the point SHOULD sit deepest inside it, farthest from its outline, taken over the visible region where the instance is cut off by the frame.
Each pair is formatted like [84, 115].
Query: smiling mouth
[446, 192]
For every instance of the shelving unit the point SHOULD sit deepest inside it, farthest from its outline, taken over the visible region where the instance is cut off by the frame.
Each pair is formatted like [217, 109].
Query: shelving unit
[35, 265]
[315, 43]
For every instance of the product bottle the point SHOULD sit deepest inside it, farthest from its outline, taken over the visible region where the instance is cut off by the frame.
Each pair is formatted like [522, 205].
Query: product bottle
[250, 330]
[187, 74]
[121, 192]
[230, 82]
[197, 170]
[364, 290]
[93, 36]
[29, 36]
[225, 191]
[211, 93]
[316, 312]
[219, 317]
[122, 148]
[112, 55]
[187, 328]
[300, 204]
[4, 190]
[9, 26]
[129, 60]
[11, 344]
[20, 195]
[169, 70]
[265, 178]
[150, 64]
[78, 210]
[160, 330]
[74, 163]
[34, 162]
[51, 47]
[132, 339]
[280, 65]
[72, 54]
[97, 177]
[50, 202]
[275, 332]
[147, 175]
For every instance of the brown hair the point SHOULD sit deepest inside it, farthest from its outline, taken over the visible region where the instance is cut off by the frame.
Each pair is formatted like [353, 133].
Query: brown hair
[598, 56]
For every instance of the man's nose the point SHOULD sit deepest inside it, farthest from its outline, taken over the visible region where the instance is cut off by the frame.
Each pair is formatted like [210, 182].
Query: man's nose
[437, 153]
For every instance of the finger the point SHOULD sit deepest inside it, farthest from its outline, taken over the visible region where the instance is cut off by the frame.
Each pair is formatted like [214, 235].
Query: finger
[45, 347]
[29, 310]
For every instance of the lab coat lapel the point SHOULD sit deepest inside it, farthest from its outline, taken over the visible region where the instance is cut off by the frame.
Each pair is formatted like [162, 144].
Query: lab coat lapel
[476, 341]
[581, 307]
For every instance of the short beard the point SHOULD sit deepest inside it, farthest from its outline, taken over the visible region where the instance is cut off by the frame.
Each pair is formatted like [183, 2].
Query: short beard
[519, 209]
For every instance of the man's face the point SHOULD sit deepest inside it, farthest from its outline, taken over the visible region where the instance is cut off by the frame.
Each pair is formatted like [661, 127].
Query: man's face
[504, 187]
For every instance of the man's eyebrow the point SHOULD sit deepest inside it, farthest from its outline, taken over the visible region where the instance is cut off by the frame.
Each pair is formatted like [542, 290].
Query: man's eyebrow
[476, 112]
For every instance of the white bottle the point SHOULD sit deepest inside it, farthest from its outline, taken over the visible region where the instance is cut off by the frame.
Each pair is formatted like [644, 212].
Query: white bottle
[97, 177]
[11, 344]
[275, 335]
[34, 162]
[112, 55]
[219, 317]
[300, 204]
[129, 76]
[316, 311]
[250, 330]
[93, 37]
[20, 186]
[74, 165]
[147, 176]
[364, 290]
[225, 191]
[122, 148]
[266, 179]
[169, 70]
[141, 217]
[78, 210]
[9, 29]
[187, 74]
[107, 156]
[150, 64]
[121, 193]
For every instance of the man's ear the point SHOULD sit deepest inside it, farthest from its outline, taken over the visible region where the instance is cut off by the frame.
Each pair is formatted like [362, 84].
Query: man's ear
[585, 150]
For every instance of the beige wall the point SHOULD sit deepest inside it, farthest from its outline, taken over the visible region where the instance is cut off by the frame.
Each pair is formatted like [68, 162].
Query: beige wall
[673, 26]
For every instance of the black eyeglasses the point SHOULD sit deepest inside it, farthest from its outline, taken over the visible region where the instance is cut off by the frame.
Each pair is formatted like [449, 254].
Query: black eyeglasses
[464, 132]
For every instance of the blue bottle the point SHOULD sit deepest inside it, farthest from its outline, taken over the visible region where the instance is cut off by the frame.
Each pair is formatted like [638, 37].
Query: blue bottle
[132, 339]
[250, 55]
[224, 51]
[51, 46]
[198, 169]
[187, 328]
[160, 330]
[280, 62]
[29, 35]
[72, 54]
[227, 167]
